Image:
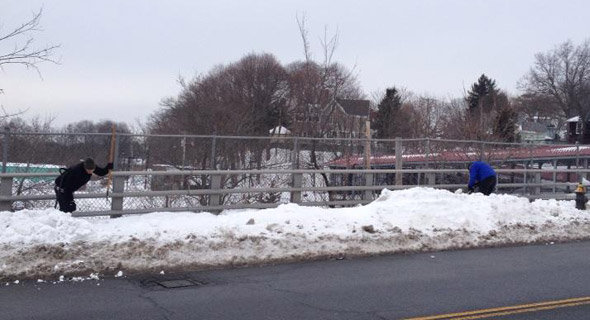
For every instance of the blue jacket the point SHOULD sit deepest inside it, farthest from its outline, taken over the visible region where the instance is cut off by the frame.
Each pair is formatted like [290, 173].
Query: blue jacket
[479, 171]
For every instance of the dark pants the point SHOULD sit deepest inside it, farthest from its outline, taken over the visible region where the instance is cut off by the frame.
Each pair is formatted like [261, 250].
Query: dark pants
[487, 185]
[65, 200]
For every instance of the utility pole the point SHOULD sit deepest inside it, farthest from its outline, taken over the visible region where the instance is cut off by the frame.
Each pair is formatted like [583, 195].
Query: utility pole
[368, 144]
[368, 141]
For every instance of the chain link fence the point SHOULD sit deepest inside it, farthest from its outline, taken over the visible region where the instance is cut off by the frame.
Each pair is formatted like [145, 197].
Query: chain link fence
[47, 152]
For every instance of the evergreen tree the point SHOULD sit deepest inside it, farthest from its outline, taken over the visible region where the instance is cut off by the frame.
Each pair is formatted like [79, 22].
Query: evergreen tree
[505, 125]
[483, 93]
[388, 113]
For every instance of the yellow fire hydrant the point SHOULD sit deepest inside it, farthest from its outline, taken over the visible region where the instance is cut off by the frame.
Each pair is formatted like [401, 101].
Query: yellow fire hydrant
[581, 198]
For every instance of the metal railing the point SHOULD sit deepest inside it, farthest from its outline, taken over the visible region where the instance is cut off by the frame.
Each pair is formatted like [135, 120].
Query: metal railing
[217, 194]
[199, 172]
[143, 151]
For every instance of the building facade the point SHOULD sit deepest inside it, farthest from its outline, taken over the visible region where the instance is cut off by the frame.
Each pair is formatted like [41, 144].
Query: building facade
[341, 118]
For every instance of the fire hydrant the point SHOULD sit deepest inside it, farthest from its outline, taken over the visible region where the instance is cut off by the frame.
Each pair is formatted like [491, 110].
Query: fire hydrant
[581, 198]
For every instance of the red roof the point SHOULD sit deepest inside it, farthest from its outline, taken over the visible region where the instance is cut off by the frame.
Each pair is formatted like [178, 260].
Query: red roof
[523, 153]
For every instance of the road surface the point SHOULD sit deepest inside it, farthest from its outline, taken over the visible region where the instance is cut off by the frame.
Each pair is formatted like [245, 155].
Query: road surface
[550, 281]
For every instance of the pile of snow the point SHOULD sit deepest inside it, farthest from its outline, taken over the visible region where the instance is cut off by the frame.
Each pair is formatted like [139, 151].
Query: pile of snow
[50, 244]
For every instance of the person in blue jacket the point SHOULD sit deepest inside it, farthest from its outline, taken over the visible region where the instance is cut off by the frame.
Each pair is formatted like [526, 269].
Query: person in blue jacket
[483, 176]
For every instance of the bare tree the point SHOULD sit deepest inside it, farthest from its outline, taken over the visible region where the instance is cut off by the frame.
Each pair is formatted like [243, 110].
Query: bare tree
[30, 153]
[426, 117]
[22, 52]
[243, 98]
[537, 106]
[314, 87]
[315, 84]
[247, 97]
[456, 124]
[540, 108]
[4, 114]
[564, 75]
[16, 48]
[81, 142]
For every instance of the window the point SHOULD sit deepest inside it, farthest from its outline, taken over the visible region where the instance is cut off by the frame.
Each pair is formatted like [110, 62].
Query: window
[579, 127]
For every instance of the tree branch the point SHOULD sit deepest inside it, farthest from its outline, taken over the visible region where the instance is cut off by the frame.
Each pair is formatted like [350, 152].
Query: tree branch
[23, 53]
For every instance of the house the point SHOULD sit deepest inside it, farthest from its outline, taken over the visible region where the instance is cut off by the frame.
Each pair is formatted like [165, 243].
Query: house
[279, 131]
[341, 118]
[578, 132]
[537, 132]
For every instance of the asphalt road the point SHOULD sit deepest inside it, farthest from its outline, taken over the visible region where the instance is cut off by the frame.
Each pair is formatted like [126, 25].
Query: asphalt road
[528, 282]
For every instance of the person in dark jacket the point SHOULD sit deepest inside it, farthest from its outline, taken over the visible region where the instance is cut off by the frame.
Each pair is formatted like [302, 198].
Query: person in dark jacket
[483, 176]
[72, 179]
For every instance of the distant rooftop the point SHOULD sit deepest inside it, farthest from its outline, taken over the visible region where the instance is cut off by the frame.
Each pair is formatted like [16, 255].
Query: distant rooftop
[355, 107]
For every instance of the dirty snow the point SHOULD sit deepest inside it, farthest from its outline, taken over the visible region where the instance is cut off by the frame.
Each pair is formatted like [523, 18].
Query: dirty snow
[50, 245]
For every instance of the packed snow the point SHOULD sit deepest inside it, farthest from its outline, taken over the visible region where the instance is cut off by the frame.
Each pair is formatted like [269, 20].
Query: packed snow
[49, 245]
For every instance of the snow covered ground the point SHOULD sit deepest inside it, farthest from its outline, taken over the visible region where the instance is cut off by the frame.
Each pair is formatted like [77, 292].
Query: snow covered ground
[48, 245]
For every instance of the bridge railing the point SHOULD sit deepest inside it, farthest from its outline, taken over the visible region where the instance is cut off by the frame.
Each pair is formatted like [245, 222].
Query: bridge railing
[219, 191]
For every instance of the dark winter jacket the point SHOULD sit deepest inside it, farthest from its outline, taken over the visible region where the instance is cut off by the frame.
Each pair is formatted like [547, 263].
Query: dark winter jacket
[76, 176]
[479, 171]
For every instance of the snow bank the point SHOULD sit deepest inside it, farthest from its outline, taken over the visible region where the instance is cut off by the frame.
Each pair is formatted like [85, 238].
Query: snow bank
[48, 243]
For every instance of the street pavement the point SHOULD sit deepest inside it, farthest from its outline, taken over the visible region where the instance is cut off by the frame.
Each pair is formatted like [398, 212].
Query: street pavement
[546, 281]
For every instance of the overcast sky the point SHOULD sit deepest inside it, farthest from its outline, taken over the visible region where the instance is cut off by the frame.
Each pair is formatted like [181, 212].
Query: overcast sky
[120, 58]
